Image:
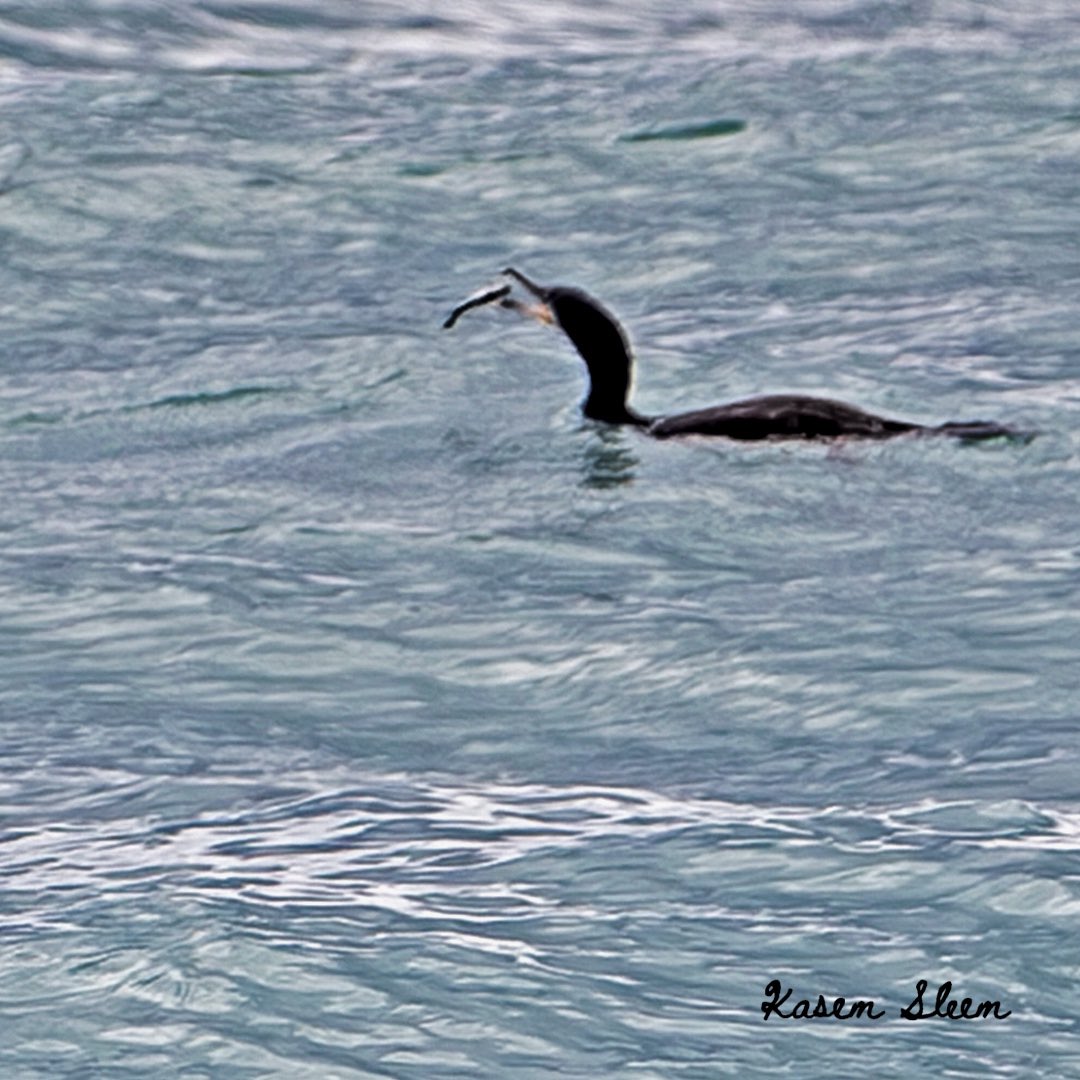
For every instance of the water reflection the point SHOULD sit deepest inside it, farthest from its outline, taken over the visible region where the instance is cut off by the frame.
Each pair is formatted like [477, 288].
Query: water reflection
[607, 462]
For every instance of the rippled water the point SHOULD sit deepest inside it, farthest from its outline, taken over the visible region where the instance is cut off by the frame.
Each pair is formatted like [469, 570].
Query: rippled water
[366, 712]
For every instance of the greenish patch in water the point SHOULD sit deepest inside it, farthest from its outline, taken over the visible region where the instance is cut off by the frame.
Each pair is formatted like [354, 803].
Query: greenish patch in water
[421, 169]
[711, 129]
[30, 419]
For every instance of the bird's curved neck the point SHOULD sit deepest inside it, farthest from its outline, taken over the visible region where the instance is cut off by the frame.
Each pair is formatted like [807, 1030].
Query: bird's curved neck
[601, 343]
[610, 407]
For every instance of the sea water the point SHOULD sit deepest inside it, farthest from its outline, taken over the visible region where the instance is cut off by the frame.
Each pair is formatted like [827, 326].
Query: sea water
[367, 713]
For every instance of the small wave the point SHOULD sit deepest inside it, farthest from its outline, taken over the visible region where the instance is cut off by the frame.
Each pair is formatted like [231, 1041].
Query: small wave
[13, 156]
[207, 397]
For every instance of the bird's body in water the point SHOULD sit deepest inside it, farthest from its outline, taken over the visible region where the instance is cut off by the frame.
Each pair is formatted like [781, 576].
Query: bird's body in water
[602, 344]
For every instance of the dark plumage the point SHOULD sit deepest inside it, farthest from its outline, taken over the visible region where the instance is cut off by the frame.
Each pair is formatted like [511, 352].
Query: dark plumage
[602, 344]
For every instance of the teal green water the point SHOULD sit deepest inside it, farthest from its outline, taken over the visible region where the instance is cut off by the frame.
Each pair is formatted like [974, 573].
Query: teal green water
[368, 713]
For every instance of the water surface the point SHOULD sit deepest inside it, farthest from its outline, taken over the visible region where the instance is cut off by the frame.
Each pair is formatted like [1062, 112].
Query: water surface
[366, 712]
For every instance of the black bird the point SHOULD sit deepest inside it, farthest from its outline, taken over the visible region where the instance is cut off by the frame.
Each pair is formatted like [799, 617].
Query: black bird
[603, 346]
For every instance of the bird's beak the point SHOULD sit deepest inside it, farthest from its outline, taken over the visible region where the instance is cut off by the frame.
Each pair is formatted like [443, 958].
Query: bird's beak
[542, 313]
[537, 290]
